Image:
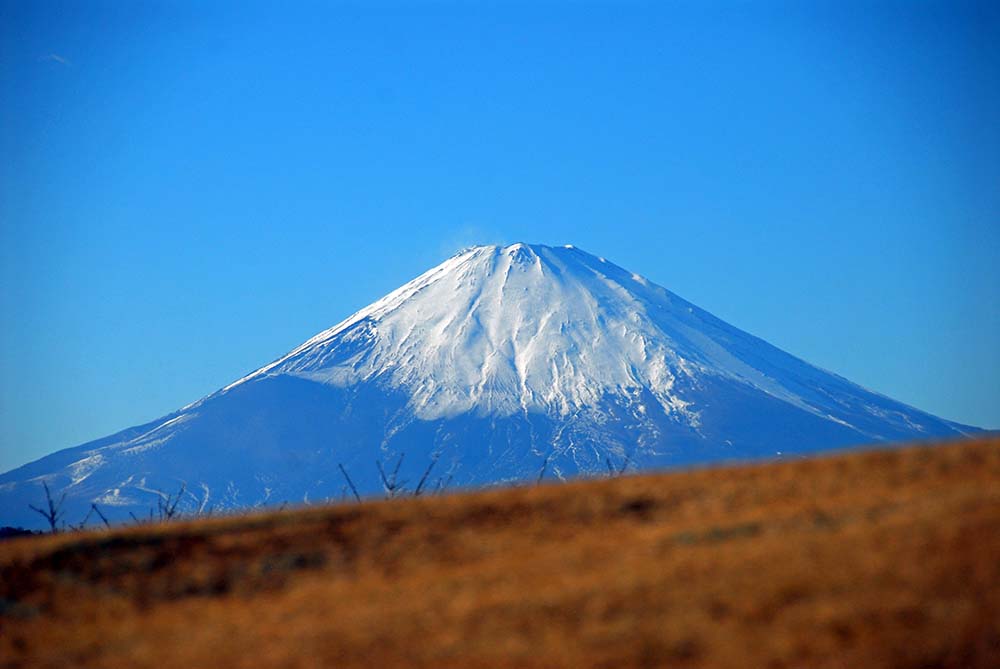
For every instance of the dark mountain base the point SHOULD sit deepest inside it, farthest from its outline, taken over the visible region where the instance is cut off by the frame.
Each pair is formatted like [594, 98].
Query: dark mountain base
[222, 451]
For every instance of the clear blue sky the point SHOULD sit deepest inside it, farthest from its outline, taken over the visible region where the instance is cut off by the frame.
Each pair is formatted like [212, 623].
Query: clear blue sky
[189, 190]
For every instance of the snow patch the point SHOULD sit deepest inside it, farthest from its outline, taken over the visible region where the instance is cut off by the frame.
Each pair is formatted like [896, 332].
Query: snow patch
[81, 469]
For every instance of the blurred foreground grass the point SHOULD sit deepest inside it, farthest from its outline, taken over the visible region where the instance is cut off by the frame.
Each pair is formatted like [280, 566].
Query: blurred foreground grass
[878, 559]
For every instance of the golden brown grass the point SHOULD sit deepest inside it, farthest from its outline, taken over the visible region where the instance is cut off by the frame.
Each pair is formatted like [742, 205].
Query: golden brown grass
[880, 559]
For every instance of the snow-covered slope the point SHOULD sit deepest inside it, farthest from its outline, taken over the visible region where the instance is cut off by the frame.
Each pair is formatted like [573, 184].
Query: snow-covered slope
[500, 364]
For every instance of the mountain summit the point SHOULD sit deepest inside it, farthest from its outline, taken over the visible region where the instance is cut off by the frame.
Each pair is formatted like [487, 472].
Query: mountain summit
[503, 363]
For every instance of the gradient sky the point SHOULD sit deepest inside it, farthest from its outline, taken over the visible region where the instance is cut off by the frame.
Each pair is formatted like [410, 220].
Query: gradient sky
[189, 190]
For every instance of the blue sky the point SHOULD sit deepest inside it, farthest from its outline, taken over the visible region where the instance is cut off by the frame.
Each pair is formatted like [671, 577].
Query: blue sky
[188, 190]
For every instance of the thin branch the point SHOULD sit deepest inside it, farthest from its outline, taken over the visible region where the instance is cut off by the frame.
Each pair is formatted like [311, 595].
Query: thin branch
[545, 465]
[100, 515]
[442, 484]
[427, 472]
[391, 484]
[381, 473]
[349, 482]
[83, 523]
[628, 457]
[167, 504]
[621, 470]
[54, 511]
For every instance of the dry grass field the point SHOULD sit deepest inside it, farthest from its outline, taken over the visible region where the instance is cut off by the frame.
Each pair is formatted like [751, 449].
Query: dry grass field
[876, 559]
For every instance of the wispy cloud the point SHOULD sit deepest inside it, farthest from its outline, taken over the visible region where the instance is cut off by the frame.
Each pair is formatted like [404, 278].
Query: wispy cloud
[56, 58]
[469, 234]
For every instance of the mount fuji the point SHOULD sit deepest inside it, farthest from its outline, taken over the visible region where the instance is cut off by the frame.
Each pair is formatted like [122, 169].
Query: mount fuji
[502, 364]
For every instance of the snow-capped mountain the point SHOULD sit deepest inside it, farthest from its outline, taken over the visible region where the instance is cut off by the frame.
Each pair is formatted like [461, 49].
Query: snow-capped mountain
[501, 364]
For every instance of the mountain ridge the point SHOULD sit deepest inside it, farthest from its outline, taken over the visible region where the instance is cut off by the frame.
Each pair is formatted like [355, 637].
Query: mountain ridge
[501, 362]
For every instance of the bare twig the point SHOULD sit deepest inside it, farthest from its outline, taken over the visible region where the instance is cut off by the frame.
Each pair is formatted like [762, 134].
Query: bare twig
[442, 484]
[167, 504]
[628, 457]
[620, 470]
[83, 523]
[545, 465]
[427, 472]
[53, 513]
[349, 482]
[381, 473]
[100, 515]
[391, 484]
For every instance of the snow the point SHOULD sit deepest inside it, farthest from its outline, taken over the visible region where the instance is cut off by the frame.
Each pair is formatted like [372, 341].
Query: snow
[82, 469]
[159, 435]
[499, 359]
[499, 330]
